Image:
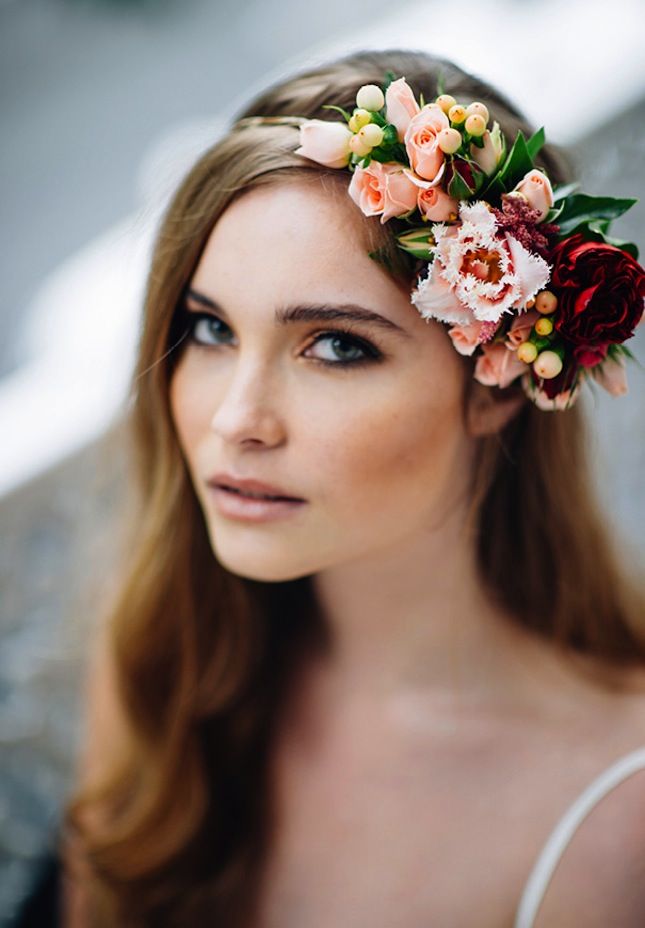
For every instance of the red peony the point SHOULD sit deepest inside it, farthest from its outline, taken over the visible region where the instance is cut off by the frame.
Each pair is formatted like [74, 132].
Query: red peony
[600, 291]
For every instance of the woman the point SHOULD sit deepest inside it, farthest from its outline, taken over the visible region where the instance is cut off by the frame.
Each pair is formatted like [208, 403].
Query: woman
[370, 701]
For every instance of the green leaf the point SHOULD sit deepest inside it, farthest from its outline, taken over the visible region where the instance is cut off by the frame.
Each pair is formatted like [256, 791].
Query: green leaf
[440, 84]
[330, 106]
[419, 242]
[458, 188]
[518, 163]
[535, 143]
[390, 76]
[564, 190]
[422, 101]
[581, 208]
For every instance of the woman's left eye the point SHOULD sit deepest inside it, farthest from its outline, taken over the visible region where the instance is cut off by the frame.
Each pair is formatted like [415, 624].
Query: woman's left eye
[346, 349]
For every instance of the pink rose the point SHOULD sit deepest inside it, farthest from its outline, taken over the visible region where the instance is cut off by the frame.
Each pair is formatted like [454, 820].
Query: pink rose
[536, 187]
[434, 203]
[521, 328]
[611, 375]
[383, 189]
[325, 142]
[465, 338]
[420, 139]
[400, 106]
[498, 366]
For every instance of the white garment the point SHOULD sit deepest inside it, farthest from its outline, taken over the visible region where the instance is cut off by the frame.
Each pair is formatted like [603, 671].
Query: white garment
[559, 838]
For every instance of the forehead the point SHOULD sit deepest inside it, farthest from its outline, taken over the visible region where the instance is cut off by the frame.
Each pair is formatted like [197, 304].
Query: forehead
[300, 238]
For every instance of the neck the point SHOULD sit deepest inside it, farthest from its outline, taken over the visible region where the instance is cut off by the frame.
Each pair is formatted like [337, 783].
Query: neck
[415, 619]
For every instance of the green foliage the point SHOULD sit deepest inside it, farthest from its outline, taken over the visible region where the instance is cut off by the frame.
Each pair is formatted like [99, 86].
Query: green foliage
[330, 106]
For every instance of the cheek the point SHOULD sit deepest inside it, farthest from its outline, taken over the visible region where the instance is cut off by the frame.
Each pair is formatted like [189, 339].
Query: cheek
[189, 409]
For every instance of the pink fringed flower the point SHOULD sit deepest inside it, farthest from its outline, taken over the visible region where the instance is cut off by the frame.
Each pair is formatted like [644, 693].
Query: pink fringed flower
[477, 272]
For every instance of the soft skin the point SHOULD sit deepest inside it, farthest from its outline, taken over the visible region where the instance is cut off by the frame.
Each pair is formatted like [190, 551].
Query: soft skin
[379, 451]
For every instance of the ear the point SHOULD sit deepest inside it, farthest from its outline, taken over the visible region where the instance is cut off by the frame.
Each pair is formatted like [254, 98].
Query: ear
[489, 409]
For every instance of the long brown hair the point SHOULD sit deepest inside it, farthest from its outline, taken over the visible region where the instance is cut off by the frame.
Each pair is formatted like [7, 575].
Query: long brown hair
[203, 656]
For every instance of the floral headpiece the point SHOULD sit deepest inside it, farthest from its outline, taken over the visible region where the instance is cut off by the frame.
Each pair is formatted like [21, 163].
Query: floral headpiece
[526, 276]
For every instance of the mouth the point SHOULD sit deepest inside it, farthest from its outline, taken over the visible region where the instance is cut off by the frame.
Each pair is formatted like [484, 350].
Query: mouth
[247, 506]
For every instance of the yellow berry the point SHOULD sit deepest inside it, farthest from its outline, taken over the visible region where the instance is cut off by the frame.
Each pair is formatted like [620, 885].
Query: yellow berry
[449, 141]
[544, 326]
[358, 146]
[358, 119]
[546, 302]
[370, 97]
[457, 114]
[371, 134]
[475, 125]
[478, 109]
[548, 364]
[445, 101]
[527, 352]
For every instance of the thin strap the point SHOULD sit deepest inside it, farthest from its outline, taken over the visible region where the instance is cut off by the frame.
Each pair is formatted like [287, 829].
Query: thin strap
[563, 832]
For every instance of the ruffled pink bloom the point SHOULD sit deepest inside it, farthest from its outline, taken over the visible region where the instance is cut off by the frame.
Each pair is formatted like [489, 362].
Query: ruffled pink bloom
[611, 375]
[536, 187]
[521, 328]
[400, 106]
[383, 189]
[498, 366]
[420, 139]
[477, 272]
[325, 142]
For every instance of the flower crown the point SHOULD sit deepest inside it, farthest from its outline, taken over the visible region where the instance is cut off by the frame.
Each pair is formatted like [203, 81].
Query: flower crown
[527, 277]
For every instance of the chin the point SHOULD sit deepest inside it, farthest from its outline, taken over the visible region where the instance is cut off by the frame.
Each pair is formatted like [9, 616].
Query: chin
[268, 565]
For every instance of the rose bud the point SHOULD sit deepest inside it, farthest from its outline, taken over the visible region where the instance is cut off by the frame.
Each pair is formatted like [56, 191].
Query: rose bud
[536, 187]
[370, 97]
[548, 364]
[488, 157]
[327, 143]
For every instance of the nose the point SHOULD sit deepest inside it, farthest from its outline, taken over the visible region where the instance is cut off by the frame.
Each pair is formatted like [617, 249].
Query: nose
[249, 409]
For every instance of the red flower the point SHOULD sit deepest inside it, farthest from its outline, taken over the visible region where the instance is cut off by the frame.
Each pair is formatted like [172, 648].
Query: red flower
[600, 291]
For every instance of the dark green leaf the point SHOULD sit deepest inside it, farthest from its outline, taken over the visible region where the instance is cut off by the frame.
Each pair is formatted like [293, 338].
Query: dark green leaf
[564, 190]
[535, 143]
[581, 208]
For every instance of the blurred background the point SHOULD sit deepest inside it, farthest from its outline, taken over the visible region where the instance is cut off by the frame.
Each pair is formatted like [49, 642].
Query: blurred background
[105, 104]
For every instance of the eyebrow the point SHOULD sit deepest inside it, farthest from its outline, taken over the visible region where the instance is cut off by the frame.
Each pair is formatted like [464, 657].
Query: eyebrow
[313, 312]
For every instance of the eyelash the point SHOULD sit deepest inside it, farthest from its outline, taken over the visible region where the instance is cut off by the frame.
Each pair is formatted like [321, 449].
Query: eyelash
[371, 352]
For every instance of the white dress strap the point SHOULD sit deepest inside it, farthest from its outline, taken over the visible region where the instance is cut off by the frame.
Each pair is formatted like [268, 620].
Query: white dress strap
[564, 830]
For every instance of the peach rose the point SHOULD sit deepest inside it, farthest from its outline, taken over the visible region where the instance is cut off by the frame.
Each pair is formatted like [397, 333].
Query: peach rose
[383, 189]
[400, 106]
[498, 366]
[434, 203]
[521, 328]
[536, 187]
[420, 139]
[611, 375]
[465, 338]
[325, 142]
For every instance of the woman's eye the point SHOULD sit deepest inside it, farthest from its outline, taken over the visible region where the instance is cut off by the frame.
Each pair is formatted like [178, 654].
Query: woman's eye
[206, 329]
[345, 349]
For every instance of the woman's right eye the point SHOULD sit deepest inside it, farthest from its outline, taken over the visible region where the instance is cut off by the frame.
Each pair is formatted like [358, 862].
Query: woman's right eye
[206, 329]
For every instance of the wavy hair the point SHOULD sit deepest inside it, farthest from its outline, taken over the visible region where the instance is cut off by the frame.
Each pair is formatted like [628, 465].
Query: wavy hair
[178, 827]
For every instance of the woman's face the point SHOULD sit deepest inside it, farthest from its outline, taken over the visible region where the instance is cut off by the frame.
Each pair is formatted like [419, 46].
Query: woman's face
[365, 427]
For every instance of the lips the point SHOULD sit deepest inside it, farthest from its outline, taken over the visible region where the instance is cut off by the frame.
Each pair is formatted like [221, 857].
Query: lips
[250, 488]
